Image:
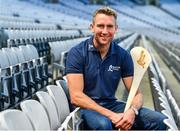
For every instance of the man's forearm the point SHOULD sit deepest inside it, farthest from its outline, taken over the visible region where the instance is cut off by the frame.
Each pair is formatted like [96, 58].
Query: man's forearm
[138, 101]
[86, 102]
[79, 98]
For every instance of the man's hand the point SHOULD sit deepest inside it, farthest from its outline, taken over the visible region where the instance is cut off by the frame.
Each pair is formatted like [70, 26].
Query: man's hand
[124, 120]
[116, 117]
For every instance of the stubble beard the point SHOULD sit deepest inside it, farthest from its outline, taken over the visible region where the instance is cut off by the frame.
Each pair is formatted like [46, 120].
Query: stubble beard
[100, 42]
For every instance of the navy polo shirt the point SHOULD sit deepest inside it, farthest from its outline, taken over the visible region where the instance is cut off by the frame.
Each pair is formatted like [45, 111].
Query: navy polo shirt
[101, 76]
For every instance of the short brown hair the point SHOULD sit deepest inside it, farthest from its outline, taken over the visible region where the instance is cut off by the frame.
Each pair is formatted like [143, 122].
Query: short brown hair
[105, 10]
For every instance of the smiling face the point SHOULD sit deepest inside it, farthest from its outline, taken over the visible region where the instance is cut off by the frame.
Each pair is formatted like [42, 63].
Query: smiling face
[104, 27]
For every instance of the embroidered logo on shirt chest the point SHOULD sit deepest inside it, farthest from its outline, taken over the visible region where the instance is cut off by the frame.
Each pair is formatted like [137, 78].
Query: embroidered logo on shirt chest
[113, 68]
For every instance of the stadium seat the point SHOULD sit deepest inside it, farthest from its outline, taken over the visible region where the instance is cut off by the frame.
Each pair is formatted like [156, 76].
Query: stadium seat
[36, 113]
[3, 38]
[28, 79]
[59, 51]
[11, 43]
[16, 73]
[31, 79]
[12, 119]
[56, 58]
[17, 92]
[41, 66]
[69, 120]
[62, 84]
[60, 100]
[31, 55]
[50, 107]
[6, 82]
[73, 121]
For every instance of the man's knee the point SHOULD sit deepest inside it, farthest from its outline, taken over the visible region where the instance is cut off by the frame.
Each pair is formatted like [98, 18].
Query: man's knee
[161, 124]
[157, 121]
[150, 120]
[95, 121]
[104, 124]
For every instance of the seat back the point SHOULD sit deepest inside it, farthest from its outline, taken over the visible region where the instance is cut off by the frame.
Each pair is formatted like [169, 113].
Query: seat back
[3, 60]
[33, 51]
[25, 72]
[16, 73]
[50, 107]
[63, 85]
[55, 51]
[13, 60]
[60, 100]
[6, 82]
[12, 119]
[36, 113]
[26, 52]
[19, 54]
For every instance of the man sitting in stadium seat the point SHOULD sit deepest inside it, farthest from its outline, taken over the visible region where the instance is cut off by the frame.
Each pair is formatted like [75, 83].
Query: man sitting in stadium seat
[94, 68]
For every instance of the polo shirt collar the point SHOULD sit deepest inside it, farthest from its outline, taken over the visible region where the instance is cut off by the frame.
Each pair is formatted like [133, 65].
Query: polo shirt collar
[91, 45]
[112, 49]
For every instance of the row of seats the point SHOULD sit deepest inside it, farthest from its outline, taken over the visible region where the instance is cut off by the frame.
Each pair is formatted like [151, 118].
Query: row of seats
[146, 20]
[49, 112]
[59, 51]
[26, 34]
[173, 48]
[171, 6]
[41, 44]
[26, 25]
[40, 38]
[27, 73]
[39, 18]
[158, 35]
[23, 73]
[163, 104]
[171, 59]
[64, 10]
[129, 42]
[159, 86]
[174, 107]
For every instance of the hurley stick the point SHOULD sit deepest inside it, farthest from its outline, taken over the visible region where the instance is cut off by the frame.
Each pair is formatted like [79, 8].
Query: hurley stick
[141, 59]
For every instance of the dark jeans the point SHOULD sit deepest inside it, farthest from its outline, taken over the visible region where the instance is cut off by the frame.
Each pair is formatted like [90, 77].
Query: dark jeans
[146, 120]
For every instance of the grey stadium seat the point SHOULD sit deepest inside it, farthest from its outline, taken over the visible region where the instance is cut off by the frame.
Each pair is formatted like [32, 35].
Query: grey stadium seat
[50, 107]
[60, 100]
[12, 119]
[36, 113]
[6, 82]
